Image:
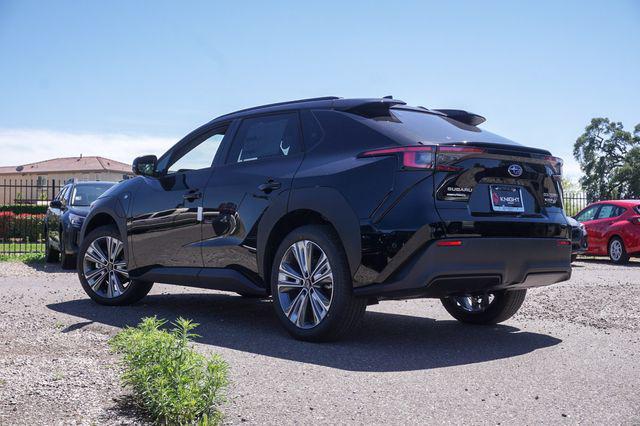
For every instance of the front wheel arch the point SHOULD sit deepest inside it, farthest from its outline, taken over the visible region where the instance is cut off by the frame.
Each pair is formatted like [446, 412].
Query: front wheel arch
[99, 219]
[136, 290]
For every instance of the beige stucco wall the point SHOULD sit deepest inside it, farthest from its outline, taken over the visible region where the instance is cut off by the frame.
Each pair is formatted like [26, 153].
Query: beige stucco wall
[9, 192]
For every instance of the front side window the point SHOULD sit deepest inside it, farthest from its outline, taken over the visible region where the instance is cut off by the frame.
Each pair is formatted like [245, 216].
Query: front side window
[197, 155]
[268, 136]
[62, 196]
[587, 214]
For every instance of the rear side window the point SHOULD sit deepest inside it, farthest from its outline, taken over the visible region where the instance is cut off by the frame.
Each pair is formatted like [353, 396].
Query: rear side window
[264, 137]
[637, 209]
[311, 129]
[609, 211]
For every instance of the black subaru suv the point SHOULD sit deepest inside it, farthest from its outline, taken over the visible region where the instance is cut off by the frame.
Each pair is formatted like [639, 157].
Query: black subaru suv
[330, 204]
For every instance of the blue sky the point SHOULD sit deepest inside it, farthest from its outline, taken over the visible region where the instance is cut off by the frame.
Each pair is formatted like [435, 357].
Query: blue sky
[124, 78]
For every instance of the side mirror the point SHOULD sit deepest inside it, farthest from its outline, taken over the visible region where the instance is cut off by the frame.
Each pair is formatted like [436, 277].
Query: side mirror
[56, 204]
[145, 165]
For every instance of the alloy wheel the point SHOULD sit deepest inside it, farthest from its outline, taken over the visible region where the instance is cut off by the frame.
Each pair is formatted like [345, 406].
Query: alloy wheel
[474, 303]
[305, 284]
[615, 249]
[105, 268]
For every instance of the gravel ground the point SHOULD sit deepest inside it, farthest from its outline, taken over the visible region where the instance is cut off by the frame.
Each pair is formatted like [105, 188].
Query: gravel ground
[571, 355]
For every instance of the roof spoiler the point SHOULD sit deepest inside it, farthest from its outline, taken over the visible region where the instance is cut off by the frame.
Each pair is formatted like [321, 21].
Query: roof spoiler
[374, 107]
[462, 116]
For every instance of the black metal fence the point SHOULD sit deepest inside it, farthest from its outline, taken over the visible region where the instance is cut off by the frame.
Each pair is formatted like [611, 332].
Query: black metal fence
[23, 205]
[576, 201]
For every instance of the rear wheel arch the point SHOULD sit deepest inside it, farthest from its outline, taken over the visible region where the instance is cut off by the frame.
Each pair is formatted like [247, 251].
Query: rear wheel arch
[307, 206]
[287, 223]
[613, 237]
[623, 255]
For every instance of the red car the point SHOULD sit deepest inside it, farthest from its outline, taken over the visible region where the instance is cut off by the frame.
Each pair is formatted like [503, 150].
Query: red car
[614, 229]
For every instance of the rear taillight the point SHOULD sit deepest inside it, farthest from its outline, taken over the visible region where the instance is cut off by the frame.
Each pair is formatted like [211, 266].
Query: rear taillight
[441, 158]
[554, 163]
[447, 156]
[413, 157]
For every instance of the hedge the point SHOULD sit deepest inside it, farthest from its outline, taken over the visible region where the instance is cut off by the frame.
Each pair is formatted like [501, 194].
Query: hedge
[26, 227]
[19, 209]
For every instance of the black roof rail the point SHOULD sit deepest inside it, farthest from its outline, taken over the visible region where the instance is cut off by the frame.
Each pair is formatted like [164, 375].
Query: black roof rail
[323, 98]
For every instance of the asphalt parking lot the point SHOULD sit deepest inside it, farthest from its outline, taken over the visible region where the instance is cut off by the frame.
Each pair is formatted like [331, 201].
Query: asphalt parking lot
[571, 355]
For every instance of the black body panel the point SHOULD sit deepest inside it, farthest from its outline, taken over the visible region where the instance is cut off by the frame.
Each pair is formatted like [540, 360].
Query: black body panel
[163, 226]
[225, 279]
[477, 265]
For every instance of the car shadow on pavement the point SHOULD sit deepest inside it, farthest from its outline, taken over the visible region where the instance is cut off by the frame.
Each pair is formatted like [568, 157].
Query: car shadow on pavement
[385, 342]
[633, 262]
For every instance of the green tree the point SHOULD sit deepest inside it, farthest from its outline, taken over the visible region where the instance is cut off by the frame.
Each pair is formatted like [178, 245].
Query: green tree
[608, 156]
[570, 186]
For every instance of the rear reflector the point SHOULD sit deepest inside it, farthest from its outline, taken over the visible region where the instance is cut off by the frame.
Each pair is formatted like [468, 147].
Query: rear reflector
[449, 243]
[564, 242]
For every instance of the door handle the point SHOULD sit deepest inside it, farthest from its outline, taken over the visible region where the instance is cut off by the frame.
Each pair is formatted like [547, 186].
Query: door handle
[192, 195]
[269, 186]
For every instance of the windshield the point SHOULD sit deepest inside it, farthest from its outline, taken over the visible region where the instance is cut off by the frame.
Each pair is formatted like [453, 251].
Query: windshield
[85, 194]
[426, 127]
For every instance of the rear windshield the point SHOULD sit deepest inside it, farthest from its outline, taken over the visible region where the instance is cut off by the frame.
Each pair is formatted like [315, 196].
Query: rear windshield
[85, 194]
[426, 127]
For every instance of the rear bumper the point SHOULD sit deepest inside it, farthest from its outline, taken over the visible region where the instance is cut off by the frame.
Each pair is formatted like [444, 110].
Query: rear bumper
[478, 265]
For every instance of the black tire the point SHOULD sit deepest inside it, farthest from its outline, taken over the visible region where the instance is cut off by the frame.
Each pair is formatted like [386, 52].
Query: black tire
[621, 257]
[574, 257]
[135, 289]
[51, 254]
[345, 311]
[504, 305]
[67, 261]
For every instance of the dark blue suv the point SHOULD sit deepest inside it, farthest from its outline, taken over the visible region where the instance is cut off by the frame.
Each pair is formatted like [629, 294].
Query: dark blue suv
[64, 219]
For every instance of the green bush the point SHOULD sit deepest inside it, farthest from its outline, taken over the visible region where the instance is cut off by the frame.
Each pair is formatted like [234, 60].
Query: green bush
[19, 209]
[175, 384]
